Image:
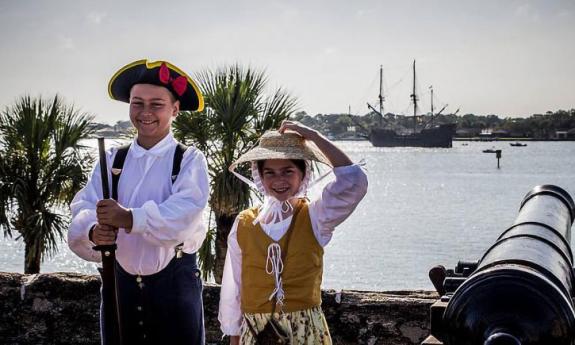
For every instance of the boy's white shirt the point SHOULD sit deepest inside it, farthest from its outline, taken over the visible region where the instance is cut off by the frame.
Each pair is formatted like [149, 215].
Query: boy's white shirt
[336, 202]
[164, 215]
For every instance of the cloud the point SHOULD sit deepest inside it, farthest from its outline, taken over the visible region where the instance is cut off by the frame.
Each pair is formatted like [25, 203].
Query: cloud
[96, 17]
[66, 42]
[329, 51]
[564, 14]
[526, 11]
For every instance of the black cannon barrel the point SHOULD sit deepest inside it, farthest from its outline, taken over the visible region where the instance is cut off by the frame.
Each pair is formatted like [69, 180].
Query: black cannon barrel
[521, 292]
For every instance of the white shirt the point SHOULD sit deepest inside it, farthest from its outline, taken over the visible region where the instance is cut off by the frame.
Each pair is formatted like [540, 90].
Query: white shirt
[164, 214]
[336, 202]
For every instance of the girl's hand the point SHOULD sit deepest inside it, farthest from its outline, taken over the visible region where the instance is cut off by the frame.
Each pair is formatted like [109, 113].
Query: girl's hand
[335, 155]
[234, 340]
[304, 131]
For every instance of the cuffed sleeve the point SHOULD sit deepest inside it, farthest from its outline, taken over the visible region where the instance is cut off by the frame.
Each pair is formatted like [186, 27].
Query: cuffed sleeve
[337, 201]
[83, 209]
[230, 314]
[179, 217]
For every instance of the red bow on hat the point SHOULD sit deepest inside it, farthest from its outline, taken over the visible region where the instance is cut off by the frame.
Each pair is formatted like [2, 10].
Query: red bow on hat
[179, 84]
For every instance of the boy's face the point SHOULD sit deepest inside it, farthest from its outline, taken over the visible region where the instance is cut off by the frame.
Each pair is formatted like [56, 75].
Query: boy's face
[281, 178]
[152, 109]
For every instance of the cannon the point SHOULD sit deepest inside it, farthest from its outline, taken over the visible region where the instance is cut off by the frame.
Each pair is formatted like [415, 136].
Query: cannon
[521, 291]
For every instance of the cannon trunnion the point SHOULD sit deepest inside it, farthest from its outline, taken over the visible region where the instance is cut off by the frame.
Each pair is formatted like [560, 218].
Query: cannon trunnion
[520, 292]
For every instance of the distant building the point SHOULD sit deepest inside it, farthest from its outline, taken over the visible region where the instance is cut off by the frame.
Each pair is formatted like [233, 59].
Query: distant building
[561, 135]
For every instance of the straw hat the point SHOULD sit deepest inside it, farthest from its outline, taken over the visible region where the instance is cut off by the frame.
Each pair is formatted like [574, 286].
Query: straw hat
[161, 73]
[289, 145]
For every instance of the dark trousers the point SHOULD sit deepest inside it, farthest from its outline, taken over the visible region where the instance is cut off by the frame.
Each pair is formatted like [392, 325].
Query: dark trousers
[162, 308]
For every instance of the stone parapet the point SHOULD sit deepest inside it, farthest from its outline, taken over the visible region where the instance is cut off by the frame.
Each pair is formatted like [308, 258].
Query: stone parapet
[63, 308]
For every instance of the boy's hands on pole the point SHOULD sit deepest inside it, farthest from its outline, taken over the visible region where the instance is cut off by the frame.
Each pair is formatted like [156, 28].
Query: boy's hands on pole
[103, 235]
[110, 213]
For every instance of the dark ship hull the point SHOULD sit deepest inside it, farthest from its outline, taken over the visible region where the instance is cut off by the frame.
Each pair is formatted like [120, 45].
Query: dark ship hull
[440, 136]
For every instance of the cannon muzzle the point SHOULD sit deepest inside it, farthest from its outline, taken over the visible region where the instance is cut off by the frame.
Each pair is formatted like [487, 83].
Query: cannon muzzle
[520, 292]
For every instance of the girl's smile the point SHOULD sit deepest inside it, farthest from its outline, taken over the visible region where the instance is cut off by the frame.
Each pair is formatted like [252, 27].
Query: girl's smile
[281, 178]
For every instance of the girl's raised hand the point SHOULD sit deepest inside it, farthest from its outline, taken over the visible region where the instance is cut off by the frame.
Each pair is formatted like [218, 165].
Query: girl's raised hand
[303, 130]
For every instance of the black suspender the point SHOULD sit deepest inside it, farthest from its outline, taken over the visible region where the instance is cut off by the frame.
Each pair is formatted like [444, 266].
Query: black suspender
[178, 155]
[121, 158]
[117, 168]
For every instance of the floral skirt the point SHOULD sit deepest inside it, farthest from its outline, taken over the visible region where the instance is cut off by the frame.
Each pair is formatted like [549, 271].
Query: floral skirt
[306, 327]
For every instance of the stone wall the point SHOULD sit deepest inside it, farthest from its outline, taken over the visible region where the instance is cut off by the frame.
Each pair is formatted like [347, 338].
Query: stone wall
[62, 308]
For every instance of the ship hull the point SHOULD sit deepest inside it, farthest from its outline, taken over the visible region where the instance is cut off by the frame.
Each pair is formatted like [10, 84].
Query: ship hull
[440, 136]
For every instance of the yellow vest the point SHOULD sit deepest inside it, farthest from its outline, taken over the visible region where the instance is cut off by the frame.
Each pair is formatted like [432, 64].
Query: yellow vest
[303, 264]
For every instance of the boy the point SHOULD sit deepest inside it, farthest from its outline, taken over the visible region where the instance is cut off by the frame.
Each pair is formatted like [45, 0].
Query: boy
[156, 219]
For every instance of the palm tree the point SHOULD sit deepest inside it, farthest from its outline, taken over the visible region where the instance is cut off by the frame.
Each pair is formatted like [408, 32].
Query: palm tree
[237, 113]
[42, 166]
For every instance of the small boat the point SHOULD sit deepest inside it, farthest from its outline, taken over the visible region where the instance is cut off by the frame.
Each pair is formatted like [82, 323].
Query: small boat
[517, 144]
[489, 151]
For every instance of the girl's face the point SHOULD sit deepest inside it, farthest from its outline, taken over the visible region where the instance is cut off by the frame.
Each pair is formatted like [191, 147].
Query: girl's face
[281, 178]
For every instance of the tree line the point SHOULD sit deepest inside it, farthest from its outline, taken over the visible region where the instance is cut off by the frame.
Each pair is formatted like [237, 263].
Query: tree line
[538, 126]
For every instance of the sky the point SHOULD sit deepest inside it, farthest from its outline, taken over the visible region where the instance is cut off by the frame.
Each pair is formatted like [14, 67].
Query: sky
[512, 58]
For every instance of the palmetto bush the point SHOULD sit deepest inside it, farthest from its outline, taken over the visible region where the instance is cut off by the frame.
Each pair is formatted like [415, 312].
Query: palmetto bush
[238, 110]
[42, 166]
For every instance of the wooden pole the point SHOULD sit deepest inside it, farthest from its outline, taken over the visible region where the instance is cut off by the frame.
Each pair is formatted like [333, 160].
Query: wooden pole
[110, 307]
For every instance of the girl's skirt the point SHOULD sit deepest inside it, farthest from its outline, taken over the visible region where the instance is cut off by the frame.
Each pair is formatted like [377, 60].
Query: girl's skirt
[306, 327]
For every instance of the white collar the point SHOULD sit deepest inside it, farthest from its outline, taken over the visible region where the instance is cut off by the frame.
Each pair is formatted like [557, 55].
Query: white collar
[158, 150]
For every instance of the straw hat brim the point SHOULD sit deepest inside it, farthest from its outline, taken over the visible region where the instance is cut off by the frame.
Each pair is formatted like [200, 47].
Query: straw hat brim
[261, 153]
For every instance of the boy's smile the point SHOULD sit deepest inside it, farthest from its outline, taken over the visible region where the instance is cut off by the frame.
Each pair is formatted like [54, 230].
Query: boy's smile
[152, 109]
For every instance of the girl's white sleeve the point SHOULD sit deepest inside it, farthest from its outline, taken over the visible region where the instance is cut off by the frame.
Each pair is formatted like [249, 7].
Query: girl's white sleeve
[230, 314]
[337, 201]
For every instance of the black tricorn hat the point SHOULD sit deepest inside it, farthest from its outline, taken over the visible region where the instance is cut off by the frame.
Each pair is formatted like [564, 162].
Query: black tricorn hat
[161, 73]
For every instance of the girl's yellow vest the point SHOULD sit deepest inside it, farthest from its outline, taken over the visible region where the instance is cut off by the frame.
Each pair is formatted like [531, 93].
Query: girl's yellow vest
[303, 264]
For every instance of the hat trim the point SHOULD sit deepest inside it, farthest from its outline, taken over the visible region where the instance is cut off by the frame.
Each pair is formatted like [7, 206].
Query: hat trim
[154, 64]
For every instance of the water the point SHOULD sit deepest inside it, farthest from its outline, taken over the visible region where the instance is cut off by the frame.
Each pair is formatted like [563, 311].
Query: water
[424, 207]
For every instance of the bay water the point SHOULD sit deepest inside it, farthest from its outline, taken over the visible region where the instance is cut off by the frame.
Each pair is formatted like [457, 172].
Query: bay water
[424, 207]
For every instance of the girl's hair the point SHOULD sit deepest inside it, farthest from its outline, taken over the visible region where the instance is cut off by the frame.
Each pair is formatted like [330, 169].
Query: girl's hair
[299, 163]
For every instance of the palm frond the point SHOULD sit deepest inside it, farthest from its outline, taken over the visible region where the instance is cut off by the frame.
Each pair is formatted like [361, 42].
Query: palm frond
[237, 113]
[43, 165]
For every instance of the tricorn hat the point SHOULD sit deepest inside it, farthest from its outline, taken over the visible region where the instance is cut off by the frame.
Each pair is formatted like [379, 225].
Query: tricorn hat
[287, 145]
[161, 73]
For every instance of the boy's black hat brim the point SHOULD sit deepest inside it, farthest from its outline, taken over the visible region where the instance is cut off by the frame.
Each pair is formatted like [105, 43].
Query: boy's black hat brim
[148, 72]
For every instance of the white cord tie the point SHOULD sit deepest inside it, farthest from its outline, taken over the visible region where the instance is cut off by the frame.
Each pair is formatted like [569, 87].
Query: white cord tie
[272, 211]
[275, 266]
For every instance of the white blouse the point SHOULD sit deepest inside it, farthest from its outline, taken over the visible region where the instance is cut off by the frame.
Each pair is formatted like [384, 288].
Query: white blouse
[164, 214]
[336, 202]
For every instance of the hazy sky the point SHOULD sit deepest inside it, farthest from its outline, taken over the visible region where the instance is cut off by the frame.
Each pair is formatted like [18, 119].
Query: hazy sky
[511, 58]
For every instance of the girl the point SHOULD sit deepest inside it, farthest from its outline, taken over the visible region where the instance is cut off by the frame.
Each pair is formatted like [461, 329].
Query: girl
[274, 261]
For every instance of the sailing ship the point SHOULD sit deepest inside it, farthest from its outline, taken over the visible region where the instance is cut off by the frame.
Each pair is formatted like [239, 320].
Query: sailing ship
[428, 135]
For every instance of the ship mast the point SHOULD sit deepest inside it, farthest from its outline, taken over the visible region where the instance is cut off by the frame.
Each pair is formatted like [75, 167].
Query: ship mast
[431, 87]
[414, 99]
[381, 98]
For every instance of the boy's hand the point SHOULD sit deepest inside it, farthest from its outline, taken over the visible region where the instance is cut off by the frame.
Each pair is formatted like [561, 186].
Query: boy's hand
[109, 212]
[104, 234]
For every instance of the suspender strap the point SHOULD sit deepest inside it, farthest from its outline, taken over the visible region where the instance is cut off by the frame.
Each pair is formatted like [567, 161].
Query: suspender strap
[120, 158]
[178, 155]
[117, 168]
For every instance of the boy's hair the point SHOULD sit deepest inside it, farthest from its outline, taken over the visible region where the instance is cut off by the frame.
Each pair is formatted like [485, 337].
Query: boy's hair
[299, 163]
